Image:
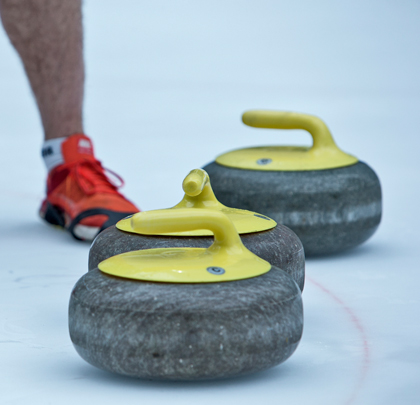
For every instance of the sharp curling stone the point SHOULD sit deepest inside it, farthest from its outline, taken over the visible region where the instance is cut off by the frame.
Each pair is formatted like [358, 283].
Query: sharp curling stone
[261, 235]
[186, 313]
[330, 199]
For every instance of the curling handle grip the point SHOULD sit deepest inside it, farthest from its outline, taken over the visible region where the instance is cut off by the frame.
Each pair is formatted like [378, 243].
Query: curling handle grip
[291, 120]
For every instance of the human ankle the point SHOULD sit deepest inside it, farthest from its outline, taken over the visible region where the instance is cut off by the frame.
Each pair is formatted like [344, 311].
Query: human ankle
[58, 151]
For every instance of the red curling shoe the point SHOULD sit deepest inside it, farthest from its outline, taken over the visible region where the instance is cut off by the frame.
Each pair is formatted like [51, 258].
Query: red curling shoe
[80, 196]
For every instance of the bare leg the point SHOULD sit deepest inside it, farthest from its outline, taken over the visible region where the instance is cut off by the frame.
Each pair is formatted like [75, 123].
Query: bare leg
[48, 36]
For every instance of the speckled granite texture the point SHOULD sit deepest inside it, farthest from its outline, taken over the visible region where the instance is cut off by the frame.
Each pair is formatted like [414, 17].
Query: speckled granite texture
[279, 246]
[330, 210]
[185, 331]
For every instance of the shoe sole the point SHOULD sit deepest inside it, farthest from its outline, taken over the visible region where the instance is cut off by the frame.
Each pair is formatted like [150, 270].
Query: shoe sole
[55, 216]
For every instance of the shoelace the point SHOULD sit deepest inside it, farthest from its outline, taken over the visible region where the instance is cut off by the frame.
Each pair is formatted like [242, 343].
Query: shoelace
[92, 178]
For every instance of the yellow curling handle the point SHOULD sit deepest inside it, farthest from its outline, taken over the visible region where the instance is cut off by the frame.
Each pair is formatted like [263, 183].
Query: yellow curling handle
[324, 153]
[195, 182]
[199, 195]
[227, 259]
[198, 192]
[321, 135]
[152, 222]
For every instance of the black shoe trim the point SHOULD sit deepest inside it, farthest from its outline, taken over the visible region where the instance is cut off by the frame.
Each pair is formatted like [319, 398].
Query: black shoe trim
[54, 216]
[113, 218]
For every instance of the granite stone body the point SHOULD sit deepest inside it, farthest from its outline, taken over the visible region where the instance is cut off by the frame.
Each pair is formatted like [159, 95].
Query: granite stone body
[330, 210]
[185, 331]
[279, 246]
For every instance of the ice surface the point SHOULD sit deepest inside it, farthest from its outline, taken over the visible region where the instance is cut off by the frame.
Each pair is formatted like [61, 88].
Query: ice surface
[166, 84]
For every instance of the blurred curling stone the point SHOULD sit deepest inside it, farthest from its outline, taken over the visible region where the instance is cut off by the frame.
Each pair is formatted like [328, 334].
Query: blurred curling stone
[261, 235]
[330, 199]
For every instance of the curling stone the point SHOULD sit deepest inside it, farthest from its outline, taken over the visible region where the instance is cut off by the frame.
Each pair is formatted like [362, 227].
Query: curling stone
[261, 235]
[329, 198]
[186, 313]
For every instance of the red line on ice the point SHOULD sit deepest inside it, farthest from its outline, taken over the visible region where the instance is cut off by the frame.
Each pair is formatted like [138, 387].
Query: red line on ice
[358, 325]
